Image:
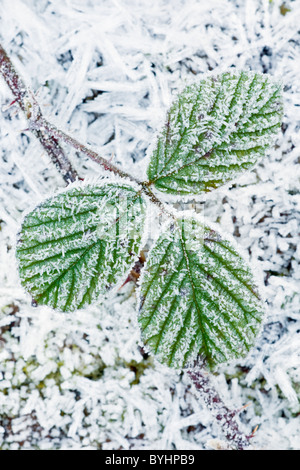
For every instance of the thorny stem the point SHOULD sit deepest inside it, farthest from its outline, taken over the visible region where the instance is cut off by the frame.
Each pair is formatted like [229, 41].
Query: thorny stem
[49, 137]
[32, 111]
[155, 200]
[224, 416]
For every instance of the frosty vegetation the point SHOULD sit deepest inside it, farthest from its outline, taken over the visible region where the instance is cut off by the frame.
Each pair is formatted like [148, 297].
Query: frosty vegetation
[77, 246]
[64, 379]
[199, 300]
[214, 130]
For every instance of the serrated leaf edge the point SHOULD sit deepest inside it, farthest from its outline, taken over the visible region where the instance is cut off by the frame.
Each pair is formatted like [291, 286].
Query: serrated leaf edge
[99, 182]
[190, 214]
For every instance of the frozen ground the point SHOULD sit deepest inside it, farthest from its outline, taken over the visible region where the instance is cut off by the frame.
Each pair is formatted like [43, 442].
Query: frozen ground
[105, 71]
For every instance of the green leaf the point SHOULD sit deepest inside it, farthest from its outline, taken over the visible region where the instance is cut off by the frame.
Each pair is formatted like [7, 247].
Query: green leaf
[197, 298]
[80, 244]
[215, 129]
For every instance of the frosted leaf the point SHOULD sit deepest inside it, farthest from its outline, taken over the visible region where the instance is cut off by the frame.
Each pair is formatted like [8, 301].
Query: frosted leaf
[215, 129]
[197, 298]
[80, 244]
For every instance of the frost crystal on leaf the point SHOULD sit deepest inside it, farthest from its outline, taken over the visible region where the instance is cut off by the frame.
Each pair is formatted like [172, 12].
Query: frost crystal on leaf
[80, 244]
[198, 298]
[215, 130]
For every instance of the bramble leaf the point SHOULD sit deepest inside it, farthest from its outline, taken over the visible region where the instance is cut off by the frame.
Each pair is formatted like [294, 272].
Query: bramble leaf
[80, 244]
[197, 298]
[215, 129]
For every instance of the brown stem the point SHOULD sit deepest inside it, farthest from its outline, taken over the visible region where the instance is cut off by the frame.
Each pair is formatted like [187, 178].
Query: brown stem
[32, 111]
[49, 137]
[57, 133]
[223, 415]
[155, 200]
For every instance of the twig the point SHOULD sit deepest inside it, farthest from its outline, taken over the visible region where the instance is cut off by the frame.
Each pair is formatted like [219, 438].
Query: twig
[223, 415]
[49, 137]
[108, 166]
[32, 111]
[48, 134]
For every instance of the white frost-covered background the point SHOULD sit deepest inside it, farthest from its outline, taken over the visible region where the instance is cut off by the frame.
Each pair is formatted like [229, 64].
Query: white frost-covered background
[105, 71]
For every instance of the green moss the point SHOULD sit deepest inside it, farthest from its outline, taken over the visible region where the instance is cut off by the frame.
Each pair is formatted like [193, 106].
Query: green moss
[139, 368]
[284, 9]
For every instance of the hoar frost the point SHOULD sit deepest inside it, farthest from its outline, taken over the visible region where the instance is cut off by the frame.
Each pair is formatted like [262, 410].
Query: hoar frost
[198, 298]
[80, 244]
